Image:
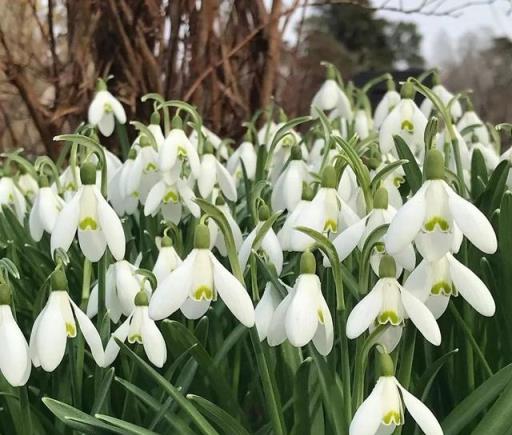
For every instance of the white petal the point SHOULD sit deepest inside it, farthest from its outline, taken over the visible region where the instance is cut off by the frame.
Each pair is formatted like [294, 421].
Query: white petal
[107, 124]
[111, 228]
[368, 416]
[472, 289]
[92, 244]
[112, 348]
[152, 340]
[207, 175]
[170, 295]
[233, 293]
[246, 248]
[34, 222]
[324, 336]
[265, 310]
[407, 222]
[421, 414]
[154, 198]
[193, 310]
[277, 332]
[422, 318]
[90, 334]
[365, 312]
[347, 240]
[419, 282]
[66, 225]
[226, 182]
[270, 245]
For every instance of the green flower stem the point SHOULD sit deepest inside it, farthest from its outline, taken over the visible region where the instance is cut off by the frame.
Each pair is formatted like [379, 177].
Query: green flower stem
[102, 308]
[86, 283]
[122, 135]
[407, 356]
[26, 422]
[342, 316]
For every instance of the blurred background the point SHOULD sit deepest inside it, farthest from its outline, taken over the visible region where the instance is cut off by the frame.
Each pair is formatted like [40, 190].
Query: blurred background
[231, 57]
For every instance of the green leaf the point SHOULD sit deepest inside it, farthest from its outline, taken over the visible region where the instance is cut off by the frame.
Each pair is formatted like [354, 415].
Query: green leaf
[283, 131]
[217, 415]
[196, 417]
[146, 132]
[265, 227]
[423, 385]
[412, 170]
[491, 197]
[103, 391]
[127, 428]
[301, 399]
[479, 177]
[496, 420]
[364, 270]
[385, 171]
[466, 411]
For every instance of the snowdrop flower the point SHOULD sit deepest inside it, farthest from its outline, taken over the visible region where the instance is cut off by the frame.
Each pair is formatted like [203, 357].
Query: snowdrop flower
[491, 157]
[123, 203]
[444, 142]
[196, 282]
[218, 236]
[169, 196]
[406, 121]
[386, 105]
[105, 109]
[56, 323]
[303, 315]
[269, 244]
[139, 328]
[12, 197]
[316, 155]
[245, 154]
[470, 118]
[331, 97]
[218, 144]
[434, 282]
[44, 213]
[121, 285]
[167, 261]
[390, 303]
[266, 132]
[356, 235]
[15, 363]
[445, 96]
[287, 190]
[362, 123]
[96, 222]
[383, 409]
[326, 213]
[143, 174]
[177, 147]
[156, 130]
[28, 185]
[212, 172]
[265, 310]
[350, 192]
[435, 216]
[392, 181]
[282, 151]
[70, 182]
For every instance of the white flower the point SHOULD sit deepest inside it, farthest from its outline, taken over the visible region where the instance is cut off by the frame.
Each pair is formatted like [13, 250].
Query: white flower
[56, 323]
[12, 197]
[196, 282]
[211, 172]
[331, 97]
[434, 282]
[269, 244]
[96, 222]
[69, 181]
[287, 190]
[265, 310]
[245, 154]
[143, 173]
[44, 213]
[218, 236]
[471, 118]
[362, 124]
[139, 328]
[177, 147]
[491, 157]
[350, 192]
[445, 96]
[220, 148]
[434, 216]
[15, 361]
[266, 132]
[303, 315]
[386, 105]
[287, 232]
[103, 111]
[28, 185]
[121, 286]
[167, 261]
[392, 181]
[406, 121]
[383, 410]
[123, 203]
[390, 303]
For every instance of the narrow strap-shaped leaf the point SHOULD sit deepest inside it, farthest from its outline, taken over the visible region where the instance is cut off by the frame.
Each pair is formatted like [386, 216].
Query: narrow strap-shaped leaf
[127, 428]
[412, 170]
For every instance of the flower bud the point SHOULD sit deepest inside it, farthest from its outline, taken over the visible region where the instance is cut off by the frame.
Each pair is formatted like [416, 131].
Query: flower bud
[88, 173]
[307, 192]
[307, 262]
[330, 73]
[263, 212]
[380, 199]
[387, 267]
[177, 122]
[434, 165]
[407, 90]
[202, 237]
[101, 85]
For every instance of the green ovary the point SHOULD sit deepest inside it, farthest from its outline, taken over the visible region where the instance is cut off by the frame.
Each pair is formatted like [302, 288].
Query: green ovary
[442, 287]
[392, 417]
[203, 293]
[88, 223]
[431, 224]
[389, 317]
[407, 126]
[170, 196]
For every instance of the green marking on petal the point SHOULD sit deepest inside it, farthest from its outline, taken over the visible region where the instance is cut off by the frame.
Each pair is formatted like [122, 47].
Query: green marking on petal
[170, 196]
[442, 287]
[182, 151]
[70, 330]
[88, 223]
[320, 315]
[150, 167]
[10, 198]
[203, 293]
[379, 248]
[107, 108]
[331, 225]
[135, 338]
[392, 417]
[389, 317]
[70, 186]
[407, 126]
[431, 224]
[398, 181]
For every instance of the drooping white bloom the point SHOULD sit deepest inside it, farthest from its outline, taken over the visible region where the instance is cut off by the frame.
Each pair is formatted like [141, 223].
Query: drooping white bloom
[28, 185]
[282, 151]
[104, 110]
[15, 362]
[139, 328]
[331, 97]
[269, 244]
[143, 173]
[266, 132]
[446, 97]
[287, 190]
[386, 105]
[435, 216]
[350, 192]
[287, 232]
[363, 124]
[121, 286]
[265, 310]
[491, 157]
[217, 236]
[390, 303]
[470, 118]
[177, 147]
[383, 410]
[196, 282]
[245, 154]
[392, 181]
[12, 197]
[120, 200]
[69, 181]
[218, 144]
[434, 282]
[303, 315]
[444, 142]
[56, 323]
[96, 222]
[45, 210]
[167, 261]
[212, 172]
